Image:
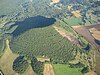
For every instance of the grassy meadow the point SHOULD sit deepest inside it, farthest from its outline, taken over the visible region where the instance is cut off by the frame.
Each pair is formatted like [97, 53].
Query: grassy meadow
[63, 69]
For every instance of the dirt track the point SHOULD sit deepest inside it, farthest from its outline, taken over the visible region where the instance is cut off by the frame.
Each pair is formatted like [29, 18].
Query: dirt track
[66, 34]
[48, 69]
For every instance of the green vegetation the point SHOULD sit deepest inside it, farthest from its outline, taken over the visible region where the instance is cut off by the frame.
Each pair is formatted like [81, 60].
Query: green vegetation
[34, 40]
[73, 21]
[2, 46]
[20, 65]
[44, 42]
[85, 70]
[64, 25]
[37, 66]
[77, 65]
[62, 69]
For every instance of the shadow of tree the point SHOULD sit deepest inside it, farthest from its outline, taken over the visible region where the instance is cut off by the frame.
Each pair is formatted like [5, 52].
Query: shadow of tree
[97, 41]
[32, 22]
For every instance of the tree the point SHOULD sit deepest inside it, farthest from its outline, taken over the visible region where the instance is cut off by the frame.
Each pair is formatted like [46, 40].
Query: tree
[20, 65]
[37, 66]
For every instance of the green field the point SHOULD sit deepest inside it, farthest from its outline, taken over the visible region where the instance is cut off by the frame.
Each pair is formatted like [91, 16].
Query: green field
[73, 21]
[62, 69]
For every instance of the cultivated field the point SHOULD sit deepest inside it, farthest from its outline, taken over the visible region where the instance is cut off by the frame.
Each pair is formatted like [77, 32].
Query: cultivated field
[48, 69]
[95, 33]
[62, 69]
[96, 26]
[91, 73]
[73, 21]
[66, 34]
[86, 34]
[76, 13]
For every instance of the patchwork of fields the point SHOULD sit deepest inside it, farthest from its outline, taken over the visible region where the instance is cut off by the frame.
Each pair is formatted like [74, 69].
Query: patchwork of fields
[49, 37]
[82, 30]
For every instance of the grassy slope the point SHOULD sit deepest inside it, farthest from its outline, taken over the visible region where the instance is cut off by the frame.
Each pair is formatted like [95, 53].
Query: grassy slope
[61, 69]
[6, 60]
[29, 71]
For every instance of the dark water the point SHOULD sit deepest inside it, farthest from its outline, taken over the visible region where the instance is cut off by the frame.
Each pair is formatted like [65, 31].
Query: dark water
[33, 22]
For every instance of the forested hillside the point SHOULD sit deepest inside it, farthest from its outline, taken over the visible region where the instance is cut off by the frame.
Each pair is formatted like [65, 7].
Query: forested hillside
[44, 42]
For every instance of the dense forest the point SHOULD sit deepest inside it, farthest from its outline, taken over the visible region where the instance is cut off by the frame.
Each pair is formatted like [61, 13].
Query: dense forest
[21, 64]
[44, 42]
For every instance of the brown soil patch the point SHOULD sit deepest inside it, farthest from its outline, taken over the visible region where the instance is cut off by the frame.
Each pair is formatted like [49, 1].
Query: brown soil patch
[96, 26]
[96, 36]
[43, 59]
[76, 13]
[69, 7]
[60, 31]
[70, 37]
[95, 33]
[48, 69]
[55, 1]
[91, 73]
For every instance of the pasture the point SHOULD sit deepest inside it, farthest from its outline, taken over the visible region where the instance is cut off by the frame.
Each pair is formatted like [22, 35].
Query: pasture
[6, 61]
[63, 69]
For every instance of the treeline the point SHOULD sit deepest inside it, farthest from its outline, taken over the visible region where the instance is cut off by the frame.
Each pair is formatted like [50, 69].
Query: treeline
[20, 65]
[2, 46]
[37, 66]
[44, 42]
